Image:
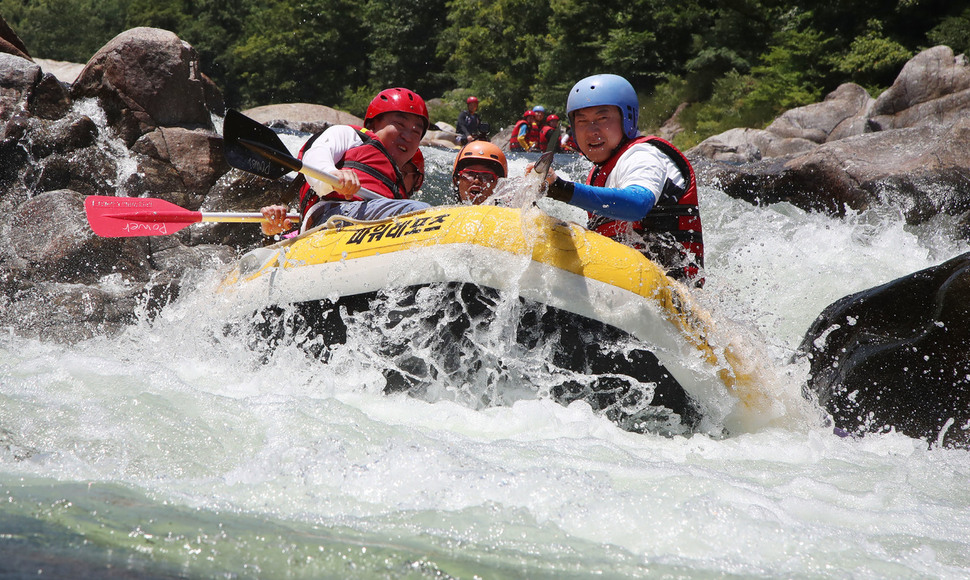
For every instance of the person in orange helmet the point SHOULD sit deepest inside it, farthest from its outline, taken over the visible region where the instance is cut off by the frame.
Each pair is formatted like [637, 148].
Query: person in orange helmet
[477, 169]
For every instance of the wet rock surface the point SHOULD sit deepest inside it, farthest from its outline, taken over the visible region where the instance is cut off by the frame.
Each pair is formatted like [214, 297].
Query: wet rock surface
[895, 356]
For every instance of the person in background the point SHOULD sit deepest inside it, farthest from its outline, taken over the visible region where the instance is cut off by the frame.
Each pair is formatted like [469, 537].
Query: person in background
[413, 172]
[525, 133]
[469, 122]
[641, 190]
[540, 112]
[567, 142]
[478, 167]
[371, 157]
[550, 130]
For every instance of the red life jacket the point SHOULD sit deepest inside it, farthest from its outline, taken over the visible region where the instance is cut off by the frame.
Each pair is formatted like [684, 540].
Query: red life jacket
[544, 135]
[373, 165]
[514, 140]
[671, 231]
[531, 134]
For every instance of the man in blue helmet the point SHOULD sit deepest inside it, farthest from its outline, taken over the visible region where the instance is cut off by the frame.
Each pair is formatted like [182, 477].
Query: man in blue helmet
[641, 190]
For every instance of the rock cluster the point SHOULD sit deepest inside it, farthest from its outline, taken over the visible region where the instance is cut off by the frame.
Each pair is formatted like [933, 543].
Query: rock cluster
[909, 147]
[137, 121]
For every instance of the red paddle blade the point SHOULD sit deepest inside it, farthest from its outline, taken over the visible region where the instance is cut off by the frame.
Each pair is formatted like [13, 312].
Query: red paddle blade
[121, 217]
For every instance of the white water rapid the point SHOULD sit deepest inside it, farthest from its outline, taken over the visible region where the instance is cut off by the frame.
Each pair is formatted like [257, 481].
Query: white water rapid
[175, 450]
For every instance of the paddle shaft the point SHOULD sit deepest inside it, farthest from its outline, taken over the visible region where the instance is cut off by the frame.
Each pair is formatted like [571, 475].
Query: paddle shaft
[244, 136]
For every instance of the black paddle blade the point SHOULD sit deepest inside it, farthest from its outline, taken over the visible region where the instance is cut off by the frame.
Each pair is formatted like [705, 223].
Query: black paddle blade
[553, 142]
[543, 165]
[238, 126]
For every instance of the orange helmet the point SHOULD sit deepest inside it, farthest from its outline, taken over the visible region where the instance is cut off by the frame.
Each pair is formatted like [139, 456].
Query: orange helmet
[481, 151]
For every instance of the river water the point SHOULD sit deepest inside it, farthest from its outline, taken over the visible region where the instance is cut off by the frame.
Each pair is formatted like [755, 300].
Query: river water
[177, 450]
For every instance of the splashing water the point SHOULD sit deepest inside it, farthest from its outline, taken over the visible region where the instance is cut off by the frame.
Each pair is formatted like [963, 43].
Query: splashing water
[183, 448]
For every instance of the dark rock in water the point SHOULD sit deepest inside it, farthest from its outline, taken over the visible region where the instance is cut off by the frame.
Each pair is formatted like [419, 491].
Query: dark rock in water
[18, 77]
[896, 356]
[195, 156]
[241, 191]
[50, 99]
[65, 249]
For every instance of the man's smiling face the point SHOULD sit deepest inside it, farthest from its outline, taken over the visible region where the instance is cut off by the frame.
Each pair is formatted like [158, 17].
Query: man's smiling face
[598, 131]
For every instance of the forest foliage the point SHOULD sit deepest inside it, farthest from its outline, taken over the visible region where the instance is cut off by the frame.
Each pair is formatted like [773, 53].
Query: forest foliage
[734, 62]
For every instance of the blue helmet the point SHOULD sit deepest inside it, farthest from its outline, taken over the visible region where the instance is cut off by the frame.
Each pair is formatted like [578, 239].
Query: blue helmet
[539, 109]
[606, 89]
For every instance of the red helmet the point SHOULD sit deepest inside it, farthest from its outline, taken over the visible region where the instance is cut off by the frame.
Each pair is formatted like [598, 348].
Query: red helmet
[471, 100]
[400, 100]
[418, 160]
[529, 113]
[552, 117]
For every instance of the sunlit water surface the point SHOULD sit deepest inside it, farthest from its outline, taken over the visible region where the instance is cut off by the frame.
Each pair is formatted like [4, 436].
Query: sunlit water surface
[176, 450]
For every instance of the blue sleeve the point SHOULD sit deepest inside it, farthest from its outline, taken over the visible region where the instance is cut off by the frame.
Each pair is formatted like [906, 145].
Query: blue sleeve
[630, 203]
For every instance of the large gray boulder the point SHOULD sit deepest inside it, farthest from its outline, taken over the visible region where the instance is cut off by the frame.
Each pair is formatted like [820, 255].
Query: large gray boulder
[932, 88]
[303, 117]
[910, 147]
[146, 78]
[843, 113]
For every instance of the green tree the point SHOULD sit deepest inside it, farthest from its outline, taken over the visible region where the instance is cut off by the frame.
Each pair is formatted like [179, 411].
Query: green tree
[872, 60]
[69, 30]
[953, 31]
[300, 51]
[402, 45]
[493, 49]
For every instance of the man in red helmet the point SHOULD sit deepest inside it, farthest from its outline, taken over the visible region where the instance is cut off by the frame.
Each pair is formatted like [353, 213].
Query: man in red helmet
[371, 157]
[469, 122]
[525, 133]
[549, 130]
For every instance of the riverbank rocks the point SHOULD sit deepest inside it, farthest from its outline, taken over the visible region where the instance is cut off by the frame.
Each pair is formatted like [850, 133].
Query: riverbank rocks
[302, 117]
[910, 147]
[138, 121]
[895, 357]
[146, 78]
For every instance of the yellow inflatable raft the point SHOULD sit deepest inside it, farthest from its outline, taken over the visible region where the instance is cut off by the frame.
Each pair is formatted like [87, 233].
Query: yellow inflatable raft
[525, 253]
